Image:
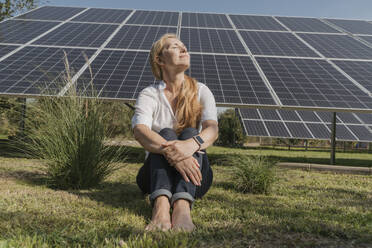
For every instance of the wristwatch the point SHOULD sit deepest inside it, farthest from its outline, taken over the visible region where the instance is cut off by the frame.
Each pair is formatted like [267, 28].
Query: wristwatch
[198, 140]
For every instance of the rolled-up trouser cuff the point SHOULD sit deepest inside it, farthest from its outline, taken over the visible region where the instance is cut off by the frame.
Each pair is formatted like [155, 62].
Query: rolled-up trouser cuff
[159, 192]
[182, 195]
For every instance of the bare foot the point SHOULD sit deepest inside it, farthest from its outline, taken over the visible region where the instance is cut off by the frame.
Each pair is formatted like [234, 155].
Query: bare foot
[181, 216]
[160, 215]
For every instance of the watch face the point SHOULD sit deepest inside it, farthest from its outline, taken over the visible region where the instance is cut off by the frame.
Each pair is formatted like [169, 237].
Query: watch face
[200, 140]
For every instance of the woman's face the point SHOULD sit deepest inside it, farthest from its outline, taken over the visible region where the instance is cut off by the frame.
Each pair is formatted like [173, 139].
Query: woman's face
[174, 55]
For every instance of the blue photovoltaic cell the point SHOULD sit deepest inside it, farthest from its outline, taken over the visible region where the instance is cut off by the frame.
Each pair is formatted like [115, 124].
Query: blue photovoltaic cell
[277, 129]
[299, 24]
[52, 13]
[361, 71]
[4, 49]
[250, 114]
[353, 26]
[338, 46]
[313, 83]
[205, 20]
[367, 38]
[78, 34]
[255, 128]
[154, 18]
[348, 118]
[103, 15]
[327, 117]
[319, 130]
[276, 43]
[361, 132]
[256, 22]
[118, 74]
[342, 133]
[21, 32]
[138, 37]
[288, 115]
[232, 79]
[298, 130]
[38, 70]
[308, 116]
[269, 114]
[366, 118]
[212, 41]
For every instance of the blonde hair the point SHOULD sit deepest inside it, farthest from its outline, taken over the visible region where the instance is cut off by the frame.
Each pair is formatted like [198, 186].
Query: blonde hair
[188, 107]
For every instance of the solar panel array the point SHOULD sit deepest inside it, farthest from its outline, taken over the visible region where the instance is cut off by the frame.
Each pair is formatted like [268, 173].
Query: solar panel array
[246, 60]
[298, 124]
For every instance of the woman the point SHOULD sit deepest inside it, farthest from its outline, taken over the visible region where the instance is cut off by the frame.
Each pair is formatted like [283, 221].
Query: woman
[167, 121]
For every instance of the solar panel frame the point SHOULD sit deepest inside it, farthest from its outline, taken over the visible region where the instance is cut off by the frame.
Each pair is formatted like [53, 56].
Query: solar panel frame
[78, 34]
[338, 46]
[51, 12]
[276, 43]
[5, 49]
[211, 40]
[22, 31]
[304, 24]
[254, 22]
[366, 38]
[352, 26]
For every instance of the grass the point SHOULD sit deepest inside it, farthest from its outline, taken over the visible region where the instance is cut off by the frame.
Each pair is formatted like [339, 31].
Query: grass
[304, 209]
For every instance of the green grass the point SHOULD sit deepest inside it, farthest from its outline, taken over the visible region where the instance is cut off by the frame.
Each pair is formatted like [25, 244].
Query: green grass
[304, 209]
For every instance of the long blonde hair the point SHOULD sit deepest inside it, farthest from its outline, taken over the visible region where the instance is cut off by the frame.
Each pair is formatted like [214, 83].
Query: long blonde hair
[188, 107]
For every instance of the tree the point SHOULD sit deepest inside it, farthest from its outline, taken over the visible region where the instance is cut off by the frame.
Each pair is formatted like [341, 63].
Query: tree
[230, 129]
[10, 8]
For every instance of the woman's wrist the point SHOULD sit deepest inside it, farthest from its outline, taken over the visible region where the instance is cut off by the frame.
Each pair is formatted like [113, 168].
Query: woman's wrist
[196, 145]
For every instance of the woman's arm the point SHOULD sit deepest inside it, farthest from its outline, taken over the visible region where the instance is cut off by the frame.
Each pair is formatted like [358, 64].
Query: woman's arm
[149, 139]
[178, 150]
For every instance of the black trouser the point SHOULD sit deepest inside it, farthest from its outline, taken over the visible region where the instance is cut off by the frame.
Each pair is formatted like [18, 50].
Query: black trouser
[156, 177]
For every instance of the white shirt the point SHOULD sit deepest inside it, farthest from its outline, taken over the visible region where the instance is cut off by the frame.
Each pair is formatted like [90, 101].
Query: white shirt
[154, 110]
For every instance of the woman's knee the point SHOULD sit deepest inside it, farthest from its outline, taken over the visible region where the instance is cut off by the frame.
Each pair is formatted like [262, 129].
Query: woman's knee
[168, 134]
[188, 133]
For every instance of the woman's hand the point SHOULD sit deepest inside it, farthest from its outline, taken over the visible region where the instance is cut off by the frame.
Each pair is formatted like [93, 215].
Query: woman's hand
[189, 169]
[178, 150]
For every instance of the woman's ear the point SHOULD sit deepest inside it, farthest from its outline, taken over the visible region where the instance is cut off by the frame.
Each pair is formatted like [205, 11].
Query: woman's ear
[158, 60]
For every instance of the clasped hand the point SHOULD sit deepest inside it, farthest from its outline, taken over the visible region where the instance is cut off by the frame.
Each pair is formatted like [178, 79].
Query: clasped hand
[179, 154]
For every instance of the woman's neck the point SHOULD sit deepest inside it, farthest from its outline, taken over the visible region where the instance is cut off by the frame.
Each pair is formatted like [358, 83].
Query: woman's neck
[173, 81]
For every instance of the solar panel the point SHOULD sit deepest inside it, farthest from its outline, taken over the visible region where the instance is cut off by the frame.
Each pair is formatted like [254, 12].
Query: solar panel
[51, 13]
[327, 117]
[138, 37]
[298, 130]
[250, 114]
[145, 17]
[312, 83]
[342, 133]
[205, 20]
[277, 129]
[338, 46]
[299, 24]
[319, 130]
[37, 70]
[276, 43]
[103, 15]
[118, 74]
[269, 114]
[256, 22]
[366, 38]
[255, 128]
[361, 132]
[5, 49]
[78, 34]
[353, 26]
[212, 41]
[361, 71]
[366, 118]
[348, 118]
[289, 115]
[21, 32]
[232, 79]
[308, 116]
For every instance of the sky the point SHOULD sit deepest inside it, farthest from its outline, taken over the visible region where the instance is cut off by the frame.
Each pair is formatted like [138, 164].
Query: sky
[346, 9]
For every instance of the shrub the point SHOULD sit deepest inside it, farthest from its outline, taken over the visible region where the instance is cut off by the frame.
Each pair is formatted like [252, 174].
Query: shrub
[253, 174]
[230, 130]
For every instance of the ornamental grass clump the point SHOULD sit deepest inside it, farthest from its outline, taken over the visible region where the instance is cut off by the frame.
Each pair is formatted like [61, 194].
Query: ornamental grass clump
[68, 133]
[252, 174]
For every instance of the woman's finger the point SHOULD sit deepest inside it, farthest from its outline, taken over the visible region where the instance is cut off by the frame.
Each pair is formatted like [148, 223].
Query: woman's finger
[197, 169]
[192, 177]
[185, 177]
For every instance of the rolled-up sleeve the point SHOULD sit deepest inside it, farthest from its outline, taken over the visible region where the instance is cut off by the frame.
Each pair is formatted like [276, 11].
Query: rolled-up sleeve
[145, 107]
[209, 104]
